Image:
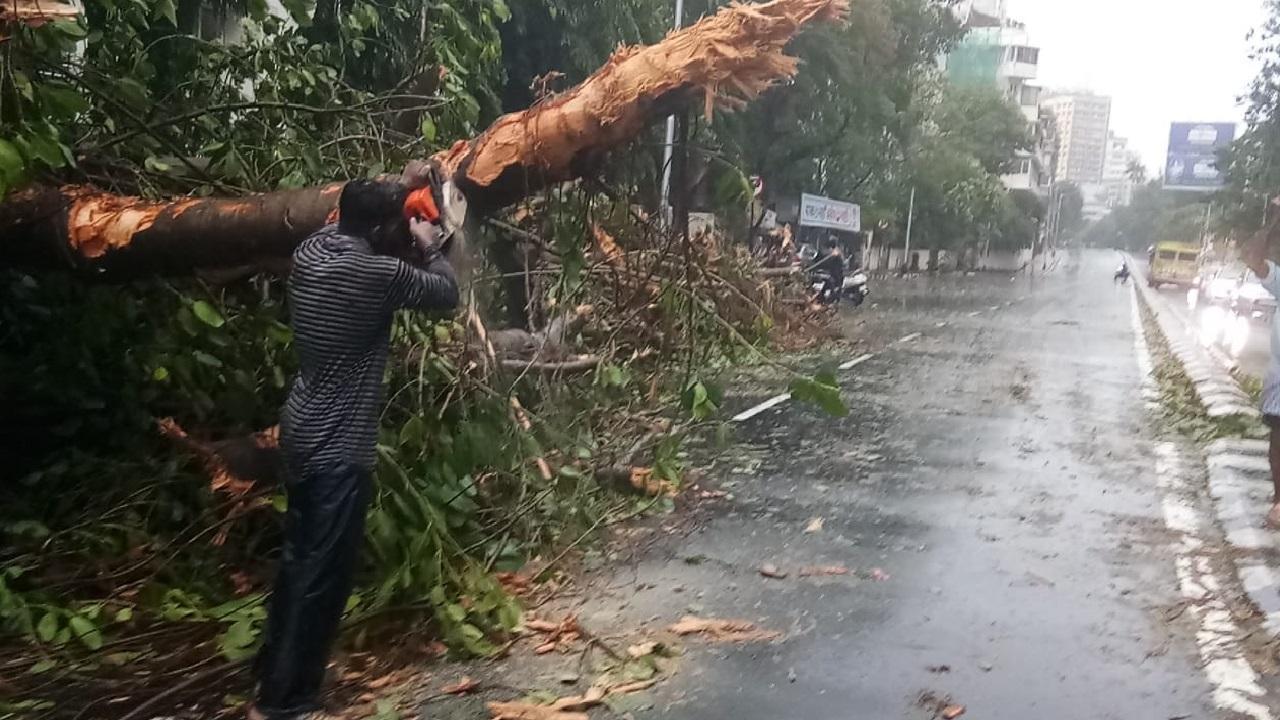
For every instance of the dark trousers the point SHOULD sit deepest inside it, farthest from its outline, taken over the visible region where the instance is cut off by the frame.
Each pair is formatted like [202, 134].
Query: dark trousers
[324, 532]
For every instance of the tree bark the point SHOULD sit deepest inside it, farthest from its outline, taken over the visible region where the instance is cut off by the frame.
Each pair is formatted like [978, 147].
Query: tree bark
[728, 59]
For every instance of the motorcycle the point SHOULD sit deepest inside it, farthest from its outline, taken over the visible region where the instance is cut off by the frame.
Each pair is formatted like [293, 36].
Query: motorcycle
[1122, 275]
[824, 290]
[855, 287]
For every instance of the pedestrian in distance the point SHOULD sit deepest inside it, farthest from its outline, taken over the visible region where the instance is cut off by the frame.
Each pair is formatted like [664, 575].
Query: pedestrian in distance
[1255, 256]
[348, 280]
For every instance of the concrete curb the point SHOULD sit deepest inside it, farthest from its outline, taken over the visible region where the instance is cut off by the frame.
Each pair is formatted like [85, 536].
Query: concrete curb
[1217, 389]
[1240, 485]
[1239, 473]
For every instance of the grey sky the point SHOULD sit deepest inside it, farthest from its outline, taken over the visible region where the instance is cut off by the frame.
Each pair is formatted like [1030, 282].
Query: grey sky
[1159, 60]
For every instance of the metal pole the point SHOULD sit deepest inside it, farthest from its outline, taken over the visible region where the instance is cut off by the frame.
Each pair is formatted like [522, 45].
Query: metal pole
[911, 211]
[669, 146]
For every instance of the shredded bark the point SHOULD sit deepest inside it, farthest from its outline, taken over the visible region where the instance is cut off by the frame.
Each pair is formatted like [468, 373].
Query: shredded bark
[730, 58]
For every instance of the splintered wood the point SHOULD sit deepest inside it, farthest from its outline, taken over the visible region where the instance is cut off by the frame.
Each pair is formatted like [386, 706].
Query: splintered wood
[35, 13]
[723, 630]
[729, 58]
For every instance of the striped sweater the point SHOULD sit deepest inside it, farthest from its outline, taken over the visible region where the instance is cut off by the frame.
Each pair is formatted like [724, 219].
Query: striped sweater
[342, 299]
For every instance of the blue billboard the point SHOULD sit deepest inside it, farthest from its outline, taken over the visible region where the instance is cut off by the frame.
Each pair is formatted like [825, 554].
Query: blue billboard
[1192, 163]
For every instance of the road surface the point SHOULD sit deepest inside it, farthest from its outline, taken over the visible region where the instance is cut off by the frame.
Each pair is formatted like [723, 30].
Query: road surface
[1022, 538]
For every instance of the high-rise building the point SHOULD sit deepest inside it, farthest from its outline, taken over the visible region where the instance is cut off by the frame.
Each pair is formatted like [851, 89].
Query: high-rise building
[1083, 122]
[1116, 176]
[997, 52]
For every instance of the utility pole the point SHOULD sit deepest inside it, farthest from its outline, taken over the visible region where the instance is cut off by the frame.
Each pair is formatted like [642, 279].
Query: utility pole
[669, 147]
[911, 211]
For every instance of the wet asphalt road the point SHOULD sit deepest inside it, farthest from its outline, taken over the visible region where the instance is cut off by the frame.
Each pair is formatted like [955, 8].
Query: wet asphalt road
[993, 493]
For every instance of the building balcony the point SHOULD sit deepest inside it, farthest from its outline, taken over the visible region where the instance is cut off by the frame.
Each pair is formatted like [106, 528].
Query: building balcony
[1020, 70]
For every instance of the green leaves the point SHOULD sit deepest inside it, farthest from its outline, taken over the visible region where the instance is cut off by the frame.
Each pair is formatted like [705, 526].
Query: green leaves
[48, 626]
[85, 631]
[60, 100]
[207, 314]
[822, 390]
[701, 400]
[12, 167]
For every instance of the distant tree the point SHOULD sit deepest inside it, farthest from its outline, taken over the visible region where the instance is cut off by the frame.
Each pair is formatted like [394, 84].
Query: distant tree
[1136, 172]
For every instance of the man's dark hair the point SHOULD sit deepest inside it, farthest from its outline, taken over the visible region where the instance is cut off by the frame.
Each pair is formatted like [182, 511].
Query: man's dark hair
[366, 205]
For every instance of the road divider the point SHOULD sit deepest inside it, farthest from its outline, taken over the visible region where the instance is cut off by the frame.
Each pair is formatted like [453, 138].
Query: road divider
[1217, 389]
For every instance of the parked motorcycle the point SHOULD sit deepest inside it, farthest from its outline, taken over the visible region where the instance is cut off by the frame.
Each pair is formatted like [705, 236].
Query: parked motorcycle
[824, 288]
[855, 287]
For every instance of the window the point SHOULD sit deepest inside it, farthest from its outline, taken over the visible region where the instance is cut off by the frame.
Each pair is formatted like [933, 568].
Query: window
[1188, 257]
[1168, 255]
[1021, 54]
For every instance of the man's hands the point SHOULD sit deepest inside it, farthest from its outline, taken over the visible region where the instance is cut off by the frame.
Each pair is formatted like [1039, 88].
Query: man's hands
[426, 236]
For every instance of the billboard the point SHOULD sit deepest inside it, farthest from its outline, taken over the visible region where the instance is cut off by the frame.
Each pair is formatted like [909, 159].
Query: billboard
[818, 211]
[1192, 163]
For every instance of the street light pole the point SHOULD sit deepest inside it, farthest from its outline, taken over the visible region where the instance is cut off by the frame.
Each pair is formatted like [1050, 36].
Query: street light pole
[911, 211]
[669, 146]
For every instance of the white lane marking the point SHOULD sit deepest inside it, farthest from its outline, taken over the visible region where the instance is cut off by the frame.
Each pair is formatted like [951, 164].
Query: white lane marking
[975, 313]
[994, 308]
[1234, 681]
[856, 362]
[941, 324]
[909, 338]
[772, 402]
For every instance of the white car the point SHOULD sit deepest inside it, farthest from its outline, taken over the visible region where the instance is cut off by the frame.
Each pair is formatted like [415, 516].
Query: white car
[1221, 286]
[1252, 301]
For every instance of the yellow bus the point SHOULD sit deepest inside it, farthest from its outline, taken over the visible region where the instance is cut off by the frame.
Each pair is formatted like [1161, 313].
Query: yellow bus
[1174, 263]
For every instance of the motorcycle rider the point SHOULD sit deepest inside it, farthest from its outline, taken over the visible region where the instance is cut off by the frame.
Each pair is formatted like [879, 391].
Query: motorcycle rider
[832, 265]
[1122, 273]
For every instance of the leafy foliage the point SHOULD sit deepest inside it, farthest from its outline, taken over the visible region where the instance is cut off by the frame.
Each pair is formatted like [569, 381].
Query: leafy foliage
[1252, 163]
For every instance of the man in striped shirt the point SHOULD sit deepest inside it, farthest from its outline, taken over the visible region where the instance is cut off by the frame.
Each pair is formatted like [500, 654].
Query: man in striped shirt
[347, 282]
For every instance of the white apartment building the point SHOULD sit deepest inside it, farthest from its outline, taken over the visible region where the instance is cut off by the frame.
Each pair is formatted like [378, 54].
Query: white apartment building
[996, 51]
[1115, 172]
[1083, 122]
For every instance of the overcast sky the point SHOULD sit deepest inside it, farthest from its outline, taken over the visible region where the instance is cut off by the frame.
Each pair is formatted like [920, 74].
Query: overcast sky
[1159, 60]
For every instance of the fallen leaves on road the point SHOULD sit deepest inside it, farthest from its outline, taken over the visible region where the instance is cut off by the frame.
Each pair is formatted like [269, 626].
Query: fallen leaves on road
[631, 687]
[555, 635]
[723, 630]
[463, 686]
[591, 698]
[940, 706]
[819, 570]
[814, 526]
[527, 711]
[565, 708]
[770, 570]
[639, 650]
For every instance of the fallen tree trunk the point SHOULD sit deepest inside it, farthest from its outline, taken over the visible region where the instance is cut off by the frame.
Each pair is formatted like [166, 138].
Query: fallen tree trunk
[728, 58]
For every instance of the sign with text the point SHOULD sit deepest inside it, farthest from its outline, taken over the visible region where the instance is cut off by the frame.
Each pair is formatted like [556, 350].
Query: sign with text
[818, 211]
[1192, 163]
